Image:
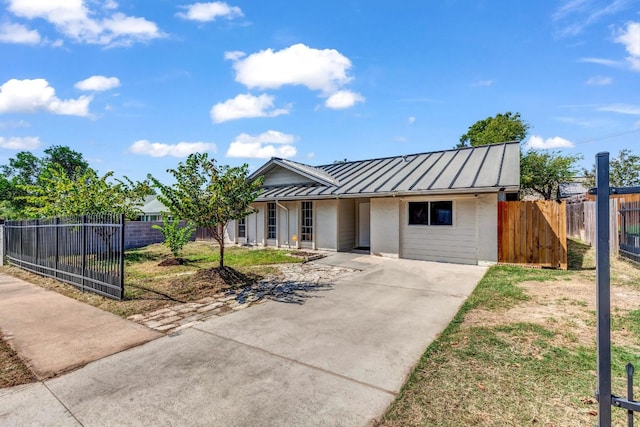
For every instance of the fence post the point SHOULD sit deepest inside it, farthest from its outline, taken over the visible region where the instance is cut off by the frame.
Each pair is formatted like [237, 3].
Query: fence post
[603, 297]
[121, 260]
[84, 249]
[2, 250]
[57, 257]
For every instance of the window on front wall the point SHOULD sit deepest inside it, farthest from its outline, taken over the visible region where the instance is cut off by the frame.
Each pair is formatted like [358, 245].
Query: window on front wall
[271, 221]
[306, 222]
[242, 227]
[431, 213]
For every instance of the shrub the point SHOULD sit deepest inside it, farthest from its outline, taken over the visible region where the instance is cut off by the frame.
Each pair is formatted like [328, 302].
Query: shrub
[175, 237]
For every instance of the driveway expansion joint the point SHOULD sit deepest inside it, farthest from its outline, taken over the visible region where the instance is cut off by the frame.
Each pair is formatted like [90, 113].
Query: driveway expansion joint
[62, 403]
[307, 365]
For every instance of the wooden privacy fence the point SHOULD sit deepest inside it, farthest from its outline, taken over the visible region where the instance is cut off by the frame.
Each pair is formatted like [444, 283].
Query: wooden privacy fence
[532, 233]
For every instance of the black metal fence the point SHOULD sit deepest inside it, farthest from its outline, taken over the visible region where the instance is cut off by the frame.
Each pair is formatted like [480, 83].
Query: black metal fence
[603, 299]
[86, 251]
[630, 228]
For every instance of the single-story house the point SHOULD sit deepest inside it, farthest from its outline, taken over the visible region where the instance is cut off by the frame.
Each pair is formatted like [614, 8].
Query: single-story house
[152, 209]
[437, 206]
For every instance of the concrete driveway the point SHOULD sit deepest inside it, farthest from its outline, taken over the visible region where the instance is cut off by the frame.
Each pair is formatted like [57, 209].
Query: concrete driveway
[338, 359]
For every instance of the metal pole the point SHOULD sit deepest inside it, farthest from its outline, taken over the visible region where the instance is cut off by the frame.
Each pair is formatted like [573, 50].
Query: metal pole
[603, 297]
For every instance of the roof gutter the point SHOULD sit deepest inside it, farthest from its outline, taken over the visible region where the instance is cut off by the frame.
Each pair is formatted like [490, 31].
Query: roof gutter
[443, 192]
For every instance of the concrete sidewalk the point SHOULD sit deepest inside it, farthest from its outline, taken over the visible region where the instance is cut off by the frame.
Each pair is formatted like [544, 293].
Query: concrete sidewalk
[337, 359]
[55, 334]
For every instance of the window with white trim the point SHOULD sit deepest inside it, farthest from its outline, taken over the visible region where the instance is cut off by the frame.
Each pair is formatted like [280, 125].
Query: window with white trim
[271, 221]
[306, 222]
[431, 213]
[242, 227]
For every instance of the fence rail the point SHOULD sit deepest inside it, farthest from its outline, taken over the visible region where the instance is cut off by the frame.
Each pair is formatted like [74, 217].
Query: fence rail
[86, 251]
[532, 233]
[629, 227]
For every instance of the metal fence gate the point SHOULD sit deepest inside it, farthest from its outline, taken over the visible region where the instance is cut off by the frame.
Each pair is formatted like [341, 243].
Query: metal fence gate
[86, 251]
[603, 300]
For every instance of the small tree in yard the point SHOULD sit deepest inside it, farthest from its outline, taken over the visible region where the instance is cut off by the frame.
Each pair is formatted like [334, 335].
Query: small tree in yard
[209, 196]
[175, 237]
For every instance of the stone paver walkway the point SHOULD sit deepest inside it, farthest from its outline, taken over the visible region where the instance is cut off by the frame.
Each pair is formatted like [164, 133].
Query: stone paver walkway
[296, 280]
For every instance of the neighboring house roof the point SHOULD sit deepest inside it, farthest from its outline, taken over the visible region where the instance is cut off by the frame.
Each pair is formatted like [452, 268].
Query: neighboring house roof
[569, 189]
[487, 168]
[152, 205]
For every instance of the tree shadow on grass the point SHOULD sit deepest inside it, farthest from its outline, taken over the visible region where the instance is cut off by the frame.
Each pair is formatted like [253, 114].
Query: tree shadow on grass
[290, 292]
[577, 258]
[150, 294]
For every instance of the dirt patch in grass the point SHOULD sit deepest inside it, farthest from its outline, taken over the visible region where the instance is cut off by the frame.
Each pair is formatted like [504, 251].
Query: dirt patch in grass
[13, 371]
[522, 351]
[172, 261]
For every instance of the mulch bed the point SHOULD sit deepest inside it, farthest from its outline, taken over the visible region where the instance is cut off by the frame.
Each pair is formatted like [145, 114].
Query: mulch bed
[211, 281]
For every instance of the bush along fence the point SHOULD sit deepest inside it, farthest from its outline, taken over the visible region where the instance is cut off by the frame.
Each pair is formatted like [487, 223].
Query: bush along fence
[86, 251]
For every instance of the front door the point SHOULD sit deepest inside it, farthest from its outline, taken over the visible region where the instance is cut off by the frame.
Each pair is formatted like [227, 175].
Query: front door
[364, 221]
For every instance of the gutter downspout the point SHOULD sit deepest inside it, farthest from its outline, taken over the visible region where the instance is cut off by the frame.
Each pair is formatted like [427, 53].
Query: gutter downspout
[287, 210]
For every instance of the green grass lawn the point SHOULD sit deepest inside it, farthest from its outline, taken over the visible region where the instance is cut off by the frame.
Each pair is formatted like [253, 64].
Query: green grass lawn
[521, 351]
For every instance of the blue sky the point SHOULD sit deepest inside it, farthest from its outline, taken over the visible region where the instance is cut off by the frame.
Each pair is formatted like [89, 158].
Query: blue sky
[135, 86]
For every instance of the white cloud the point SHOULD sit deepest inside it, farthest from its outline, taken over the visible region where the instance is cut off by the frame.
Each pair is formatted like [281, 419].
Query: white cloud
[30, 96]
[18, 33]
[539, 143]
[324, 70]
[630, 38]
[76, 20]
[484, 83]
[234, 55]
[268, 144]
[343, 99]
[411, 120]
[20, 143]
[245, 106]
[599, 81]
[98, 83]
[311, 155]
[181, 149]
[205, 12]
[621, 109]
[14, 124]
[576, 15]
[603, 61]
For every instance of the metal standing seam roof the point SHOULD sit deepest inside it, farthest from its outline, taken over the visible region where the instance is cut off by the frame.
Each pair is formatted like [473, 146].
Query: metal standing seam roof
[481, 169]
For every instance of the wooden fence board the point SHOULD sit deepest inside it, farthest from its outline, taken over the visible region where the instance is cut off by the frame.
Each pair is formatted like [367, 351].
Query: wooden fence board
[532, 233]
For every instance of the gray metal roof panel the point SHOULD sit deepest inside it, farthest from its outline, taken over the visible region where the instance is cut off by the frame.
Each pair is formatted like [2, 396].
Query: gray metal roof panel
[469, 172]
[490, 171]
[479, 168]
[509, 173]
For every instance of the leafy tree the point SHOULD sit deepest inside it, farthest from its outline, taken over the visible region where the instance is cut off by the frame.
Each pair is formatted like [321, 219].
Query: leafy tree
[542, 172]
[71, 162]
[209, 196]
[624, 171]
[57, 194]
[175, 237]
[26, 170]
[505, 127]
